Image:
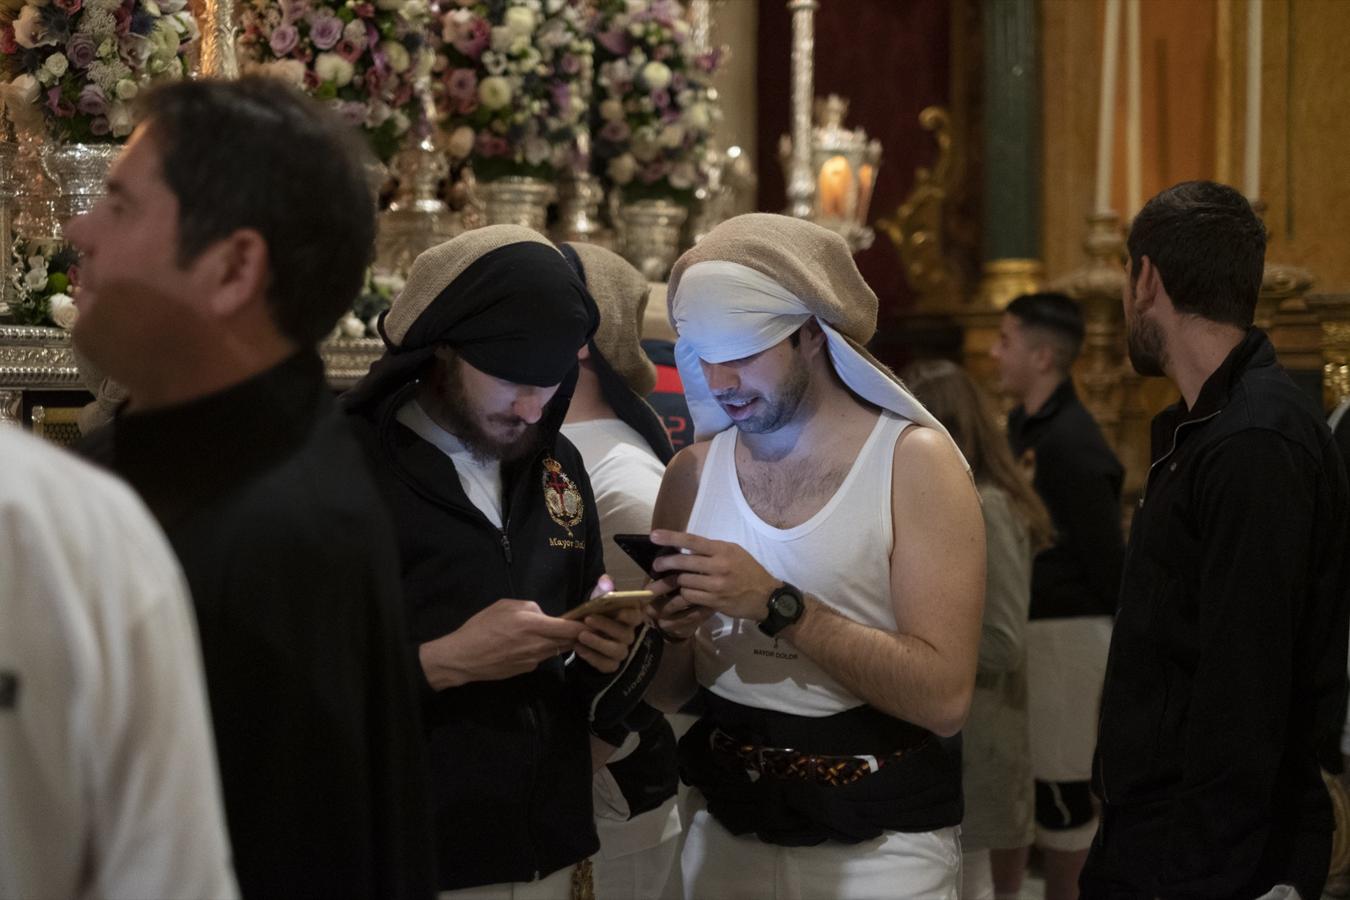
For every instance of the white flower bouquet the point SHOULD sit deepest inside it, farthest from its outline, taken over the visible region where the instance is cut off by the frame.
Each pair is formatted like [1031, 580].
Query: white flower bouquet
[43, 276]
[365, 57]
[653, 108]
[70, 68]
[514, 79]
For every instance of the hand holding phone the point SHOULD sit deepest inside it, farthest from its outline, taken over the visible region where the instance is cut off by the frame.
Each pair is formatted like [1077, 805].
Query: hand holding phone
[642, 551]
[609, 604]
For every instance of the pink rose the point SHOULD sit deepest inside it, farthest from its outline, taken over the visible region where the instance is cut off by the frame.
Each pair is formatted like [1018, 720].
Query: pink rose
[283, 39]
[8, 45]
[92, 101]
[461, 84]
[81, 50]
[60, 108]
[122, 19]
[616, 132]
[364, 10]
[349, 51]
[98, 126]
[325, 31]
[615, 42]
[69, 7]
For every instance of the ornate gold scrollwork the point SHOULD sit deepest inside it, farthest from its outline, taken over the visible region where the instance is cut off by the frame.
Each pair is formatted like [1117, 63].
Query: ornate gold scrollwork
[917, 226]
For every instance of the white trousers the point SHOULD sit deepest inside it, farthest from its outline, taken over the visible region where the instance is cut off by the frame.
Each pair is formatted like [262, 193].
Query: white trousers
[977, 876]
[718, 865]
[637, 876]
[557, 886]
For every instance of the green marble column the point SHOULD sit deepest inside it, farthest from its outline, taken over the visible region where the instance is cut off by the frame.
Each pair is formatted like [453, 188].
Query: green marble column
[1012, 154]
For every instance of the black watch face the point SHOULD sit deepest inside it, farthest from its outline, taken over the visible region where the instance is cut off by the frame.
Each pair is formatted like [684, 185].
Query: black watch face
[787, 605]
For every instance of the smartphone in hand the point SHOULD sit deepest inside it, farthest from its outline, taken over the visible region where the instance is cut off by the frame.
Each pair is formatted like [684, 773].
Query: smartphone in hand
[642, 551]
[609, 604]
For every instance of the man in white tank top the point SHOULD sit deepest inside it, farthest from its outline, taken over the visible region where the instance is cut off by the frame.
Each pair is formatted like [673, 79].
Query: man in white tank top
[830, 574]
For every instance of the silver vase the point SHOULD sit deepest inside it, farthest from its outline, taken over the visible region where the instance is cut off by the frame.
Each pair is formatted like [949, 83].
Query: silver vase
[80, 173]
[517, 200]
[417, 218]
[650, 233]
[579, 200]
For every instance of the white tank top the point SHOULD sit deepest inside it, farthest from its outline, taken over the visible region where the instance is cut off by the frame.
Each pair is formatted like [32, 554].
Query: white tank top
[841, 556]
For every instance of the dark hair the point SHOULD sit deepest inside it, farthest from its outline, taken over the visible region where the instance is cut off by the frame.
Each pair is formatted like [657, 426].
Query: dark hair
[968, 415]
[256, 153]
[1056, 315]
[1209, 249]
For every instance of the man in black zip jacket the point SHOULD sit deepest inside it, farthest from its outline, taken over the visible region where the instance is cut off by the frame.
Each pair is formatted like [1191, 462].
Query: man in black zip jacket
[1226, 678]
[498, 536]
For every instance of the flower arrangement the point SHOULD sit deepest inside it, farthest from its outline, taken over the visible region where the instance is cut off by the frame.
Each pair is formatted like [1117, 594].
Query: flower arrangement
[72, 67]
[653, 109]
[515, 80]
[363, 320]
[42, 275]
[366, 57]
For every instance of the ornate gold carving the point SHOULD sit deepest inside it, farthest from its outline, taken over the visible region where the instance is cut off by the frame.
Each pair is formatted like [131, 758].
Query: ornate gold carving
[1333, 312]
[1006, 279]
[917, 227]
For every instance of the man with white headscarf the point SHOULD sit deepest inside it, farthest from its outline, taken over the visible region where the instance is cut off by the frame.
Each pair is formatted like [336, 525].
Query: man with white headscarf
[831, 575]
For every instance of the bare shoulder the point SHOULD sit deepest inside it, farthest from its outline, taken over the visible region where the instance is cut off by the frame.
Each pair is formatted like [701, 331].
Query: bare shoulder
[927, 464]
[679, 487]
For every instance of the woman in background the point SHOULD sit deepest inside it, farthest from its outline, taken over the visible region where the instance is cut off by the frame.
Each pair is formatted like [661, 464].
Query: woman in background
[996, 761]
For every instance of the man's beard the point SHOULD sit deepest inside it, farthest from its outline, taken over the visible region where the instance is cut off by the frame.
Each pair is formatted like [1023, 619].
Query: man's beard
[463, 424]
[1148, 352]
[778, 408]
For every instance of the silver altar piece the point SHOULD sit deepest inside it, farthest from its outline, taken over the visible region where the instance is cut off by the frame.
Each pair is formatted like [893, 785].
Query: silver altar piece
[579, 201]
[8, 151]
[417, 218]
[845, 164]
[79, 172]
[517, 200]
[800, 181]
[649, 233]
[35, 196]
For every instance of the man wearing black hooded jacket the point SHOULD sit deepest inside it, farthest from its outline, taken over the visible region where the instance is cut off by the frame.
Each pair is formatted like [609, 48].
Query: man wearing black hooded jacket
[498, 537]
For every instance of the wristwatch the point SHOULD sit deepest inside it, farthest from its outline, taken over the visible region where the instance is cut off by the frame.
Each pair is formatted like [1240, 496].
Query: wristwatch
[785, 608]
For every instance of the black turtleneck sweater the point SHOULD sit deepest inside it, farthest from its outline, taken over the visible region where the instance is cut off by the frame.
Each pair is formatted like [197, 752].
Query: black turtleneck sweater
[294, 576]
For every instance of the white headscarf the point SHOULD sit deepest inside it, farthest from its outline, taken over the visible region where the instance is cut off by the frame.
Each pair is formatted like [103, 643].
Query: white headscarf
[724, 311]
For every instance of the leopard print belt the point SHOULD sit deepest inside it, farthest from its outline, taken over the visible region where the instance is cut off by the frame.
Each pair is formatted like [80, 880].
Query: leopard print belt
[788, 764]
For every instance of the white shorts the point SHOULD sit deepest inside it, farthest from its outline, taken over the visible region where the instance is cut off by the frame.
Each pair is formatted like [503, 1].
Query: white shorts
[1066, 663]
[717, 864]
[557, 886]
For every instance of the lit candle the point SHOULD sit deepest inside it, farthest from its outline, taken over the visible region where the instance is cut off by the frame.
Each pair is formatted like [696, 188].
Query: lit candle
[1106, 131]
[1134, 166]
[1251, 169]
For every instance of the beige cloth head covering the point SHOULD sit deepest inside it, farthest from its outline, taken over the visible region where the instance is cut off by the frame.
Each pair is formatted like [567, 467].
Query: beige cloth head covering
[621, 292]
[438, 266]
[812, 263]
[755, 279]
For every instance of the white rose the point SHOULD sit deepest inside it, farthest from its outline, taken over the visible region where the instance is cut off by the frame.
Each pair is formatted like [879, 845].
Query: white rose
[537, 150]
[412, 10]
[622, 169]
[682, 176]
[494, 92]
[351, 326]
[63, 311]
[331, 67]
[23, 90]
[126, 89]
[697, 117]
[291, 71]
[426, 61]
[355, 31]
[119, 119]
[611, 110]
[460, 144]
[656, 76]
[57, 64]
[671, 137]
[401, 121]
[36, 279]
[519, 21]
[645, 146]
[28, 29]
[399, 60]
[502, 39]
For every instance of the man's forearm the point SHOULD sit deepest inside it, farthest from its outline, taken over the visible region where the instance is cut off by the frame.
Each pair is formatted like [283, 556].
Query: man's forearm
[438, 659]
[899, 674]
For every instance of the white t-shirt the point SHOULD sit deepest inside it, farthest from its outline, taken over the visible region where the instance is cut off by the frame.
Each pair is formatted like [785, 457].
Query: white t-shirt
[481, 479]
[108, 781]
[625, 477]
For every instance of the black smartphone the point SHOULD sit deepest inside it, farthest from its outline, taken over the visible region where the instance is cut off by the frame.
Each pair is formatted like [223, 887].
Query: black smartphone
[642, 550]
